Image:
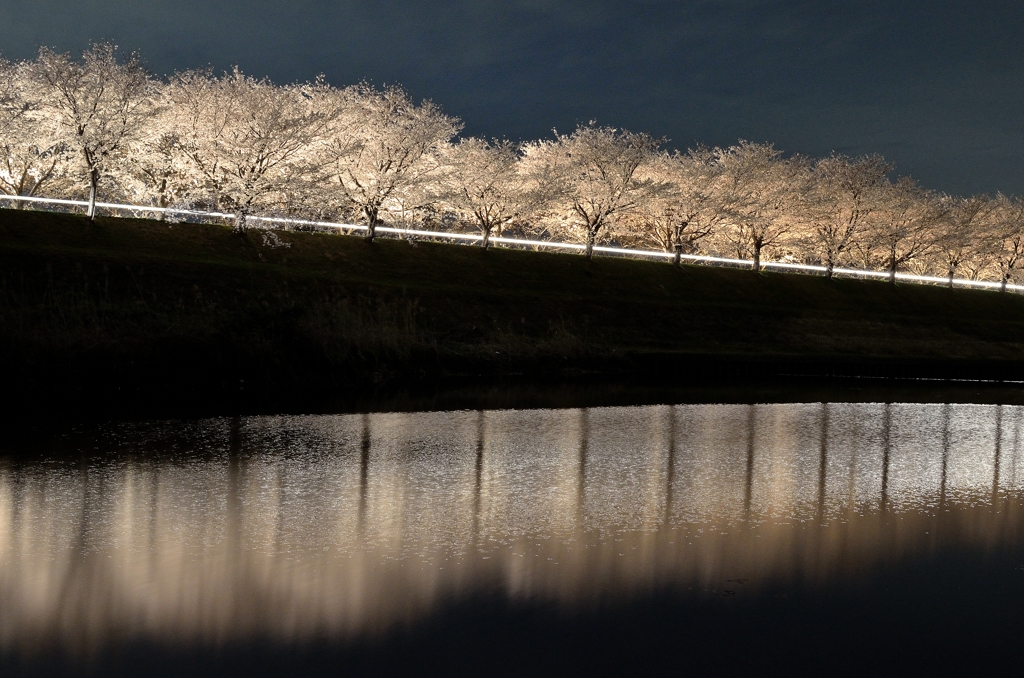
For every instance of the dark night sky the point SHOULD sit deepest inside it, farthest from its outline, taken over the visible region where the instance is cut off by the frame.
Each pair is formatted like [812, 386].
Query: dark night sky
[936, 86]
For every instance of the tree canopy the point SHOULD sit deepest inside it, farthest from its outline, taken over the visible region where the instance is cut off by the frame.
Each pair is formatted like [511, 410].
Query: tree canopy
[101, 124]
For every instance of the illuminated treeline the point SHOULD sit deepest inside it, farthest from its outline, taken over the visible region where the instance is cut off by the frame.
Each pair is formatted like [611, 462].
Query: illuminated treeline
[102, 126]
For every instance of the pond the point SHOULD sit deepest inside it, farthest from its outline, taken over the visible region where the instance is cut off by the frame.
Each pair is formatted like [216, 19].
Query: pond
[713, 537]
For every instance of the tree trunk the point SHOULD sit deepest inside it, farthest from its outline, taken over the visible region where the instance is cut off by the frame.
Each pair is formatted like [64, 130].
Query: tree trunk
[162, 201]
[486, 242]
[757, 259]
[94, 180]
[591, 237]
[371, 213]
[892, 272]
[1002, 286]
[829, 266]
[240, 225]
[677, 242]
[950, 281]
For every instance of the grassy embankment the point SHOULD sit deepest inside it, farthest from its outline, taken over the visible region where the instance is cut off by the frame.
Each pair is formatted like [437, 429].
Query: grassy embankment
[127, 303]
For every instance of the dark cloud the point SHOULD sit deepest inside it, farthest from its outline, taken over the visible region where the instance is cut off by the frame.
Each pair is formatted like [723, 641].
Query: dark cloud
[936, 86]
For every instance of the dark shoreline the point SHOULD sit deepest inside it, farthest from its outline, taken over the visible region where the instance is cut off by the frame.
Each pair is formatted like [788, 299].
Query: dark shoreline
[47, 412]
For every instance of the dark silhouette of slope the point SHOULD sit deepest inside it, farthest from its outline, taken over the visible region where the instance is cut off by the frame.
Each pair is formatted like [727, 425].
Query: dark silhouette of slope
[139, 304]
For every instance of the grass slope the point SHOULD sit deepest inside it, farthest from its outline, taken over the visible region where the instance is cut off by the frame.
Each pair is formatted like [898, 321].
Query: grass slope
[127, 301]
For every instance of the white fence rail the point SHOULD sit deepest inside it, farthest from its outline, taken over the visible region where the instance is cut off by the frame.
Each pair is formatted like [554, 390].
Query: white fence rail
[518, 243]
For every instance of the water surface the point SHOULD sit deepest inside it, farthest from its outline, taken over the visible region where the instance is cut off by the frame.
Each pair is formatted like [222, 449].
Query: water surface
[342, 531]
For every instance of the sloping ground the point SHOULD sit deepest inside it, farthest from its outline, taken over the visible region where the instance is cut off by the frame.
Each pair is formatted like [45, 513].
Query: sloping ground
[123, 303]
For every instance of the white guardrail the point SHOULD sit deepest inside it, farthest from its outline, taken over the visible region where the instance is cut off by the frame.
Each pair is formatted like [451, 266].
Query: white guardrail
[516, 242]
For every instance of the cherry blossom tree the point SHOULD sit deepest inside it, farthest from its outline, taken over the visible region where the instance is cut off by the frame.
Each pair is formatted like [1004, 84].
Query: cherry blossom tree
[843, 194]
[596, 169]
[247, 141]
[1006, 237]
[901, 228]
[32, 155]
[958, 236]
[153, 171]
[12, 101]
[689, 206]
[487, 183]
[392, 149]
[761, 189]
[100, 105]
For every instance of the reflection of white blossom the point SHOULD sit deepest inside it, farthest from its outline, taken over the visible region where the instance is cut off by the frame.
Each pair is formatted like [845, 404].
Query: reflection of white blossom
[306, 527]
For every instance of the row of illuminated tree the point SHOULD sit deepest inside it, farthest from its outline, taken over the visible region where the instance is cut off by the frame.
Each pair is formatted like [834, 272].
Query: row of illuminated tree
[231, 143]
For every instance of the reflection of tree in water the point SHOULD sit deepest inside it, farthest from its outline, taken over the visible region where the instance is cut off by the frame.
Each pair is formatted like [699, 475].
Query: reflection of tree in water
[886, 451]
[823, 463]
[298, 526]
[581, 484]
[670, 465]
[364, 467]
